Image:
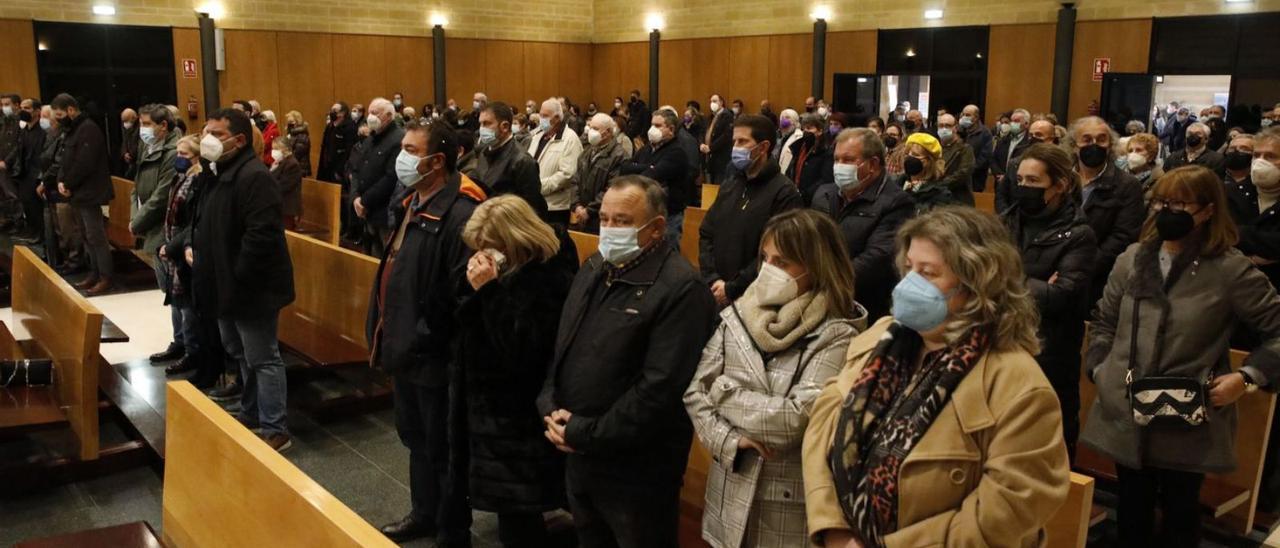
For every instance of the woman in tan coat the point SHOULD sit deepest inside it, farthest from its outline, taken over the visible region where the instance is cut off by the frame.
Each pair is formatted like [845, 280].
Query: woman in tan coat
[942, 430]
[759, 374]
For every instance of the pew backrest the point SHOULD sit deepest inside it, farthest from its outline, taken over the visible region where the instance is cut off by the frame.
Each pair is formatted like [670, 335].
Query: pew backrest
[709, 194]
[332, 286]
[66, 328]
[119, 211]
[587, 244]
[689, 236]
[223, 486]
[321, 210]
[1069, 527]
[985, 201]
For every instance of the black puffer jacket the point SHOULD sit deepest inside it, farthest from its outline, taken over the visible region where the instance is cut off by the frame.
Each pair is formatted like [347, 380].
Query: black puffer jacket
[506, 339]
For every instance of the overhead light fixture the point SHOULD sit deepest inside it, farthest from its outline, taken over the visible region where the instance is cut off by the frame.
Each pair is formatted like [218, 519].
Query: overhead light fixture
[933, 14]
[42, 46]
[104, 9]
[654, 21]
[911, 52]
[1238, 1]
[821, 13]
[213, 10]
[439, 20]
[1159, 79]
[862, 80]
[978, 55]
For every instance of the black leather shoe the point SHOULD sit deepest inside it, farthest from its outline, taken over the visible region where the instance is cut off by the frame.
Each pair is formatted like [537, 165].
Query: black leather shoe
[408, 529]
[226, 393]
[182, 366]
[171, 353]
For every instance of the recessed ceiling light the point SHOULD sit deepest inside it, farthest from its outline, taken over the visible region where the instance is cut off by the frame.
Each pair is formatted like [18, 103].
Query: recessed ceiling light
[213, 9]
[104, 9]
[933, 14]
[911, 53]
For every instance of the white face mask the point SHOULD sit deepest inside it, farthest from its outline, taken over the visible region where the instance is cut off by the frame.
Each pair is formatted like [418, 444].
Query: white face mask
[475, 105]
[211, 148]
[374, 123]
[774, 287]
[619, 244]
[1265, 175]
[277, 156]
[655, 135]
[715, 106]
[1136, 160]
[593, 136]
[148, 135]
[127, 125]
[22, 124]
[407, 169]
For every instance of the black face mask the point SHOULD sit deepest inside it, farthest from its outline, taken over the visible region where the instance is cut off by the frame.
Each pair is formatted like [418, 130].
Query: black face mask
[909, 124]
[1030, 199]
[1194, 141]
[890, 141]
[1174, 225]
[1237, 160]
[24, 116]
[1093, 156]
[912, 166]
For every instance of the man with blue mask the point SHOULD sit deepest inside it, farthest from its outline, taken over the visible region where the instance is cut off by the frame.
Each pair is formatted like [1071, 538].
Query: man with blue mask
[150, 200]
[632, 332]
[869, 205]
[372, 180]
[756, 190]
[417, 289]
[957, 158]
[502, 166]
[1011, 144]
[974, 132]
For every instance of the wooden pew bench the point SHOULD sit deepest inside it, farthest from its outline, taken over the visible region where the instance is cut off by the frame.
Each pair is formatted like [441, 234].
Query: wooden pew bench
[119, 210]
[223, 486]
[689, 236]
[321, 210]
[709, 194]
[985, 201]
[587, 244]
[326, 321]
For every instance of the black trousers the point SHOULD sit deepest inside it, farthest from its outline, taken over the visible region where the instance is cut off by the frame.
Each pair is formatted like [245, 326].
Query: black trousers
[437, 487]
[1178, 496]
[608, 515]
[32, 206]
[521, 530]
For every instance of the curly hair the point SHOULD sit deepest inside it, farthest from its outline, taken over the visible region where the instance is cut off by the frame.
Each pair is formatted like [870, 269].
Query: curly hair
[979, 251]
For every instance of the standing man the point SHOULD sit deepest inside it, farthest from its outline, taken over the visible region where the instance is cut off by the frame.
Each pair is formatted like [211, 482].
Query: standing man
[631, 335]
[1011, 145]
[472, 121]
[665, 162]
[239, 256]
[556, 147]
[416, 293]
[637, 113]
[718, 141]
[957, 160]
[1197, 151]
[10, 149]
[150, 203]
[502, 166]
[26, 173]
[978, 136]
[85, 181]
[729, 238]
[1112, 197]
[598, 165]
[129, 143]
[373, 180]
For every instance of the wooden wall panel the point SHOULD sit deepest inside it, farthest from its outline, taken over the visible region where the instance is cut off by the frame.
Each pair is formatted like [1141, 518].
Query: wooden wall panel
[359, 70]
[1019, 69]
[465, 68]
[18, 72]
[306, 82]
[409, 69]
[748, 70]
[540, 71]
[253, 69]
[619, 68]
[851, 52]
[1126, 42]
[790, 71]
[186, 45]
[676, 68]
[710, 70]
[575, 74]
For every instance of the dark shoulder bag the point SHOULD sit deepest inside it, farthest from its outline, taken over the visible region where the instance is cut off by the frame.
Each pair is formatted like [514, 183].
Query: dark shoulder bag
[1163, 401]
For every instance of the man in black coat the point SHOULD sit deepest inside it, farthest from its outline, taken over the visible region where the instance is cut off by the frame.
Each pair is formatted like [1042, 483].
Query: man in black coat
[373, 180]
[26, 172]
[637, 114]
[239, 254]
[718, 141]
[869, 205]
[1112, 197]
[412, 324]
[1011, 145]
[1197, 152]
[502, 165]
[729, 238]
[979, 138]
[84, 180]
[630, 338]
[339, 137]
[665, 162]
[1058, 251]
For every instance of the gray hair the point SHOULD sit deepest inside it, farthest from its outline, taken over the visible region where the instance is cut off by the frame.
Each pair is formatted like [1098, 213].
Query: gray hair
[654, 195]
[668, 116]
[1270, 135]
[790, 114]
[1026, 115]
[557, 109]
[379, 102]
[605, 121]
[1135, 126]
[160, 114]
[1074, 132]
[810, 119]
[1200, 126]
[872, 146]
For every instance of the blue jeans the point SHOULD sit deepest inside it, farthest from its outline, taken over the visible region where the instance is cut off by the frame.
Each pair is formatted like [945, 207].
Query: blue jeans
[675, 229]
[253, 344]
[186, 328]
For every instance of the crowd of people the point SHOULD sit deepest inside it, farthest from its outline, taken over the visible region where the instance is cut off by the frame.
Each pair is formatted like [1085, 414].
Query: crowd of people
[868, 358]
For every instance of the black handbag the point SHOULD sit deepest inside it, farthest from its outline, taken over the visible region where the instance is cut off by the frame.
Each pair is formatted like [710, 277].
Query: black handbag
[37, 372]
[1163, 401]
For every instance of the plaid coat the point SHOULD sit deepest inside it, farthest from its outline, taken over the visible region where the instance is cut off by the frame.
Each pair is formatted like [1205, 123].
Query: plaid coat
[738, 392]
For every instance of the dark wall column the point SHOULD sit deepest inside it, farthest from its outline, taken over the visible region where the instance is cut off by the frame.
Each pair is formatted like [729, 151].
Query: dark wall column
[819, 57]
[437, 64]
[655, 38]
[209, 61]
[1063, 46]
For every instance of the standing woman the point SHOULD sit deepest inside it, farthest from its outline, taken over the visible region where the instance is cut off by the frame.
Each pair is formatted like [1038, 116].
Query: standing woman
[941, 429]
[300, 135]
[1169, 310]
[750, 398]
[179, 214]
[288, 175]
[521, 274]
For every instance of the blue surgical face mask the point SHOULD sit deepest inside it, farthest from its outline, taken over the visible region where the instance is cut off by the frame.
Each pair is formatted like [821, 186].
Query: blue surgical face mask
[544, 125]
[181, 164]
[148, 135]
[1015, 128]
[846, 176]
[741, 158]
[45, 124]
[918, 304]
[945, 134]
[487, 137]
[407, 169]
[966, 122]
[620, 244]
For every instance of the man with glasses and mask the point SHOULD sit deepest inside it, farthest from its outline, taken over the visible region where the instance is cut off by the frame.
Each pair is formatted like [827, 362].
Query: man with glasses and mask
[239, 255]
[756, 190]
[1111, 197]
[631, 335]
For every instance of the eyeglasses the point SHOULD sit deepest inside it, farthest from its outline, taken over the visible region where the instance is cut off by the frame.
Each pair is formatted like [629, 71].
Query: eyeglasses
[1173, 205]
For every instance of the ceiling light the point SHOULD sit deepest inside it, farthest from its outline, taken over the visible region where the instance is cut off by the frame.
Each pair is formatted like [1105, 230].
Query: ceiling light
[862, 80]
[1238, 1]
[654, 21]
[213, 10]
[104, 9]
[822, 13]
[933, 14]
[911, 53]
[439, 20]
[42, 46]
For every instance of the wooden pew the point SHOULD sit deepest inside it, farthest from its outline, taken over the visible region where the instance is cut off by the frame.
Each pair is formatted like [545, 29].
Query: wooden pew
[326, 321]
[65, 328]
[1230, 498]
[985, 201]
[321, 210]
[223, 486]
[1069, 527]
[119, 211]
[586, 244]
[689, 237]
[709, 194]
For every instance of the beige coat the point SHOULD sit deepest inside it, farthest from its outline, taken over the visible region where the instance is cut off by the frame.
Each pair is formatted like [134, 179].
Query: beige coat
[556, 166]
[990, 471]
[734, 394]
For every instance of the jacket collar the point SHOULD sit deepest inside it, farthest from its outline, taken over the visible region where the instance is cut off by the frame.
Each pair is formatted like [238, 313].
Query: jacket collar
[456, 184]
[869, 194]
[228, 168]
[170, 142]
[1146, 280]
[767, 173]
[647, 270]
[1059, 227]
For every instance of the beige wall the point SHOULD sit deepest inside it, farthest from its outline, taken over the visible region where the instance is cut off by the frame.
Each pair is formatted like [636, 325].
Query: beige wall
[539, 20]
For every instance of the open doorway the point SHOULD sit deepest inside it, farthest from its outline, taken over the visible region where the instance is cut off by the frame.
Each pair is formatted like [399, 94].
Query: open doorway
[911, 92]
[856, 95]
[1194, 91]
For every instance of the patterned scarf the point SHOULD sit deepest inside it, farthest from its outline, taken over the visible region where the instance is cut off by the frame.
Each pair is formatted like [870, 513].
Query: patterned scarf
[179, 193]
[888, 410]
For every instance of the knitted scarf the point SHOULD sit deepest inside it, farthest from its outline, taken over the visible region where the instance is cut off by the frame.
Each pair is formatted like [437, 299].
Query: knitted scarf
[888, 410]
[776, 328]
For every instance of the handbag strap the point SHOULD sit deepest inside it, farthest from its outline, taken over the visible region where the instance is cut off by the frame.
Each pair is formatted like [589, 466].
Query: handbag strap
[1133, 346]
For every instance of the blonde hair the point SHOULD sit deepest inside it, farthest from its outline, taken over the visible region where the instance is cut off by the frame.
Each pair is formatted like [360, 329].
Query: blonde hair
[979, 250]
[292, 117]
[1197, 184]
[509, 224]
[813, 240]
[191, 143]
[934, 166]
